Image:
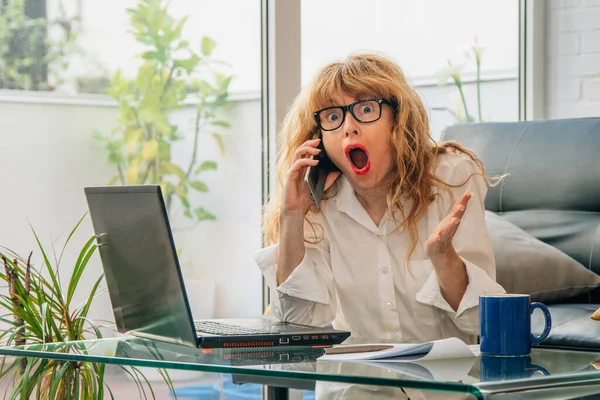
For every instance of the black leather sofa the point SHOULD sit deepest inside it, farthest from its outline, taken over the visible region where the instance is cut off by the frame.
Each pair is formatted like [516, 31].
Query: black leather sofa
[552, 192]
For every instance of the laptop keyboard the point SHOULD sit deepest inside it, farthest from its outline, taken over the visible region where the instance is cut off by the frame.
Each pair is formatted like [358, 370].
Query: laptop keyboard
[220, 328]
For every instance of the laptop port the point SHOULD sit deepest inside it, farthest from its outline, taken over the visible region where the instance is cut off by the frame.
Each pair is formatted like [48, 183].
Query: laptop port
[305, 337]
[296, 337]
[324, 336]
[314, 337]
[284, 340]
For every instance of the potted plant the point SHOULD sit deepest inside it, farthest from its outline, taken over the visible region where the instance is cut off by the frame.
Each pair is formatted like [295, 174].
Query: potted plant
[41, 310]
[172, 74]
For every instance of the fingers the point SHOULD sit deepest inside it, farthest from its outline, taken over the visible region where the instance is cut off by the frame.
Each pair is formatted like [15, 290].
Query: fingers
[307, 149]
[450, 224]
[460, 206]
[299, 165]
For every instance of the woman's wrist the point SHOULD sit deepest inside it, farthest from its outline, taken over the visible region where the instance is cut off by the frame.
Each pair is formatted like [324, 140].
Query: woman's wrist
[291, 215]
[447, 264]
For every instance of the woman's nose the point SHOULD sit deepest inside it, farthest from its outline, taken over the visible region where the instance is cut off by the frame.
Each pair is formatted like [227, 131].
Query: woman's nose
[350, 125]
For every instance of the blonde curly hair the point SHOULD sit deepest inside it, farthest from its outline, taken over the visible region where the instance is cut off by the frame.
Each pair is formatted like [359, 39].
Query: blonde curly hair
[414, 150]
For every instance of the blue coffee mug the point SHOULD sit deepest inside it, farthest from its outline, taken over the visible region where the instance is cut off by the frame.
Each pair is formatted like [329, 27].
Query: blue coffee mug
[505, 324]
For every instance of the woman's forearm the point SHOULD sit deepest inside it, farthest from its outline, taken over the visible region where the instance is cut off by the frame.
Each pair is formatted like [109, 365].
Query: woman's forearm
[452, 277]
[291, 244]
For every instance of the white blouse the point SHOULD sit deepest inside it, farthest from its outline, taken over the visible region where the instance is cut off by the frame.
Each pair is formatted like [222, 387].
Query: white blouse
[357, 279]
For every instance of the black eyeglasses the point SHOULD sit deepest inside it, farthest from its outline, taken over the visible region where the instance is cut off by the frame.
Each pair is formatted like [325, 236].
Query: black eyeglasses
[365, 111]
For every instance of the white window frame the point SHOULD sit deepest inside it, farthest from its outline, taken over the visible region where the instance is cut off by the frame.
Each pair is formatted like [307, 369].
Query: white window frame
[281, 63]
[532, 59]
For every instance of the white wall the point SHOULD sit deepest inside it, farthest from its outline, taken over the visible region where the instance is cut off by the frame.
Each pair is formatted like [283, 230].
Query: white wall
[573, 58]
[48, 156]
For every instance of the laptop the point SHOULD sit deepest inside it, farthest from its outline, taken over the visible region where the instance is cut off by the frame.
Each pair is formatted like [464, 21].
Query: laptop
[146, 287]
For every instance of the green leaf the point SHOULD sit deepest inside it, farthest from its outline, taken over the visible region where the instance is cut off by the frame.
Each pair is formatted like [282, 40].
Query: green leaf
[84, 256]
[56, 284]
[206, 166]
[88, 304]
[151, 55]
[185, 202]
[164, 150]
[172, 168]
[188, 64]
[133, 172]
[199, 186]
[150, 149]
[207, 46]
[220, 123]
[220, 142]
[56, 380]
[204, 215]
[176, 33]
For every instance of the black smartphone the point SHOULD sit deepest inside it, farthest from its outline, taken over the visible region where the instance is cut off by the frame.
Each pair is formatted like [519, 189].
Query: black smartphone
[316, 175]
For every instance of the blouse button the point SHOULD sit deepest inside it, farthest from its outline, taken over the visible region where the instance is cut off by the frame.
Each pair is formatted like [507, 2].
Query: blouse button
[389, 305]
[384, 269]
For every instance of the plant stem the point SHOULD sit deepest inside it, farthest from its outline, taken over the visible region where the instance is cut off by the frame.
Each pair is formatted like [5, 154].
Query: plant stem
[146, 174]
[462, 96]
[479, 89]
[195, 149]
[167, 83]
[121, 174]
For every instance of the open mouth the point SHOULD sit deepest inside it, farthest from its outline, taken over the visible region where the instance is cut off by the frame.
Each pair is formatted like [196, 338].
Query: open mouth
[358, 157]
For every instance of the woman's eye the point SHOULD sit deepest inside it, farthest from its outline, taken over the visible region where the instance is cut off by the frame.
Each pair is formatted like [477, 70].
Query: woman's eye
[366, 109]
[333, 117]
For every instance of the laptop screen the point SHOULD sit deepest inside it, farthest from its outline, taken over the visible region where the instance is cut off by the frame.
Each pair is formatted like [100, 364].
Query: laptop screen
[140, 262]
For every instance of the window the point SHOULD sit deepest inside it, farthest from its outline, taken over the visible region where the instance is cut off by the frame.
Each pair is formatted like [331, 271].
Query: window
[421, 37]
[58, 124]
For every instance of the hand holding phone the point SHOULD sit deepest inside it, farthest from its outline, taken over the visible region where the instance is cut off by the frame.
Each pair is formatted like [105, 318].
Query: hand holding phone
[315, 178]
[295, 197]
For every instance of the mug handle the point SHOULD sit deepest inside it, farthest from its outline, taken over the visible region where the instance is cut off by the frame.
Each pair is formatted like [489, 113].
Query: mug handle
[544, 335]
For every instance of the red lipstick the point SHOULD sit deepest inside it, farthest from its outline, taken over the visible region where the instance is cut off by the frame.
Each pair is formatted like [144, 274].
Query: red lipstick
[359, 162]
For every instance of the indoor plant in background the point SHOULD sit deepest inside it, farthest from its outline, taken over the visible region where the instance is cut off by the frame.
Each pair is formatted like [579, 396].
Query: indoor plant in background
[41, 310]
[453, 72]
[172, 74]
[34, 51]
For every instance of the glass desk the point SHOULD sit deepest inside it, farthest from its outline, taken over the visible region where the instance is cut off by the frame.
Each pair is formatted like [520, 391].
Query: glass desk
[283, 367]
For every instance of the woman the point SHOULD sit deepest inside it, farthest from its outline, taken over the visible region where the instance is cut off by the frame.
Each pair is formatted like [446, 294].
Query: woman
[398, 248]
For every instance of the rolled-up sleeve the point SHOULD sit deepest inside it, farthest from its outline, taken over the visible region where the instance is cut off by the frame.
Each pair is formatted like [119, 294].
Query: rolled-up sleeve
[471, 242]
[307, 296]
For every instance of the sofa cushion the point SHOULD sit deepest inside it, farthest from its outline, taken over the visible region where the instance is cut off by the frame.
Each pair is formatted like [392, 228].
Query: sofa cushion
[527, 265]
[572, 327]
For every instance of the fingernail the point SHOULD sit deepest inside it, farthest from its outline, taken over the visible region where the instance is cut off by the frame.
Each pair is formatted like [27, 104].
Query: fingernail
[470, 194]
